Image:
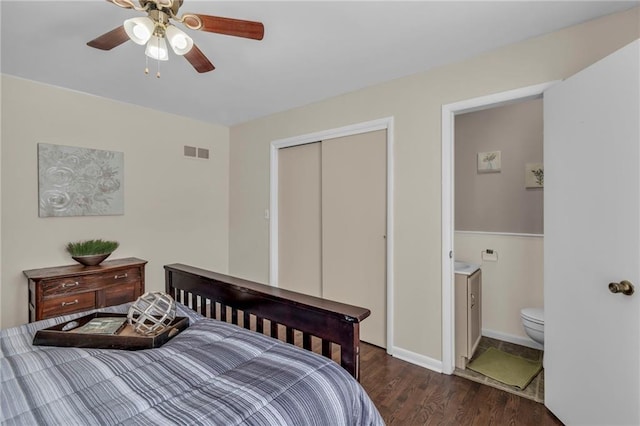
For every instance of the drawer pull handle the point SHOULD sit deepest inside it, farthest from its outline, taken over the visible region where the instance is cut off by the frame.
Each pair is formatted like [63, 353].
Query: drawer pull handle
[69, 303]
[117, 277]
[73, 284]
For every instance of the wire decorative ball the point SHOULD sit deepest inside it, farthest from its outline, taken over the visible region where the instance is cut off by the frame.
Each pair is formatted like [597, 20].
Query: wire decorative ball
[152, 313]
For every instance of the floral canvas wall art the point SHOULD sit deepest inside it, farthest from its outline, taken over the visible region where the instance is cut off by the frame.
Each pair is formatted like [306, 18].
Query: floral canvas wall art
[489, 162]
[534, 175]
[74, 181]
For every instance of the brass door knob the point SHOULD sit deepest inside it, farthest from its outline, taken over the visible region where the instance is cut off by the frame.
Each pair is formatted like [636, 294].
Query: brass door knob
[624, 287]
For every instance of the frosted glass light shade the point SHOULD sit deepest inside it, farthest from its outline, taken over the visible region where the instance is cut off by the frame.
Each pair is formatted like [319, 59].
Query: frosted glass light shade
[178, 40]
[139, 29]
[157, 49]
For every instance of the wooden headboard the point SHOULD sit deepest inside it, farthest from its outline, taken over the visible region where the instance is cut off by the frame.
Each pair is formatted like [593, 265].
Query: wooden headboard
[279, 313]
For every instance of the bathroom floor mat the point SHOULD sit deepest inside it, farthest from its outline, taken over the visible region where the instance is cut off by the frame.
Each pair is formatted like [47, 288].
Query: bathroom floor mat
[506, 368]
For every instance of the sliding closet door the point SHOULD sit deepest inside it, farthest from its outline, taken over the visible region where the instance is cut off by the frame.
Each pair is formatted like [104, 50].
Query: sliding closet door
[354, 206]
[299, 220]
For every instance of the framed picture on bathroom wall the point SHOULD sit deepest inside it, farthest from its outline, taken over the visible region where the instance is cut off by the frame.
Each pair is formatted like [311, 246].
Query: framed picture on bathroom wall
[534, 175]
[489, 162]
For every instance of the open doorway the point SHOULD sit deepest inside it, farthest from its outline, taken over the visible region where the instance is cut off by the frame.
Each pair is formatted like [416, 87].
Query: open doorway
[478, 239]
[498, 239]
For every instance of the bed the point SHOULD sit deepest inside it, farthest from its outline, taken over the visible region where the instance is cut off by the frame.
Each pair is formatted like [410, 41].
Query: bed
[237, 363]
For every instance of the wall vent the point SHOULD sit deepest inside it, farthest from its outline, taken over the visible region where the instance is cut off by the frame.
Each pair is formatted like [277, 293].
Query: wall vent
[195, 152]
[203, 153]
[189, 151]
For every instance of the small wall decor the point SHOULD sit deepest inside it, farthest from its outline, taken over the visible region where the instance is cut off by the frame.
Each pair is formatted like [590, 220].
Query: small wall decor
[489, 162]
[74, 181]
[534, 175]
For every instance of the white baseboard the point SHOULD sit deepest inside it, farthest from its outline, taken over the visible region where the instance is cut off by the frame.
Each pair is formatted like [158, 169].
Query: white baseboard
[417, 359]
[512, 338]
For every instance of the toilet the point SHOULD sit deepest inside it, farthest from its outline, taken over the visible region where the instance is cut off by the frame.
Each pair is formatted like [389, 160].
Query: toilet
[533, 322]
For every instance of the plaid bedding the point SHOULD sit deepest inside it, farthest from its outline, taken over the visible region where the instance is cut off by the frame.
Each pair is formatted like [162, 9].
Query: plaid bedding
[213, 373]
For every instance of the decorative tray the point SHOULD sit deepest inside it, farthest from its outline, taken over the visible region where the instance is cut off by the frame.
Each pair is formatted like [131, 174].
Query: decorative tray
[103, 333]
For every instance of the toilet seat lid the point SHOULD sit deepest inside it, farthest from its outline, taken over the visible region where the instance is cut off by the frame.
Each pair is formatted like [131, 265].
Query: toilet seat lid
[533, 314]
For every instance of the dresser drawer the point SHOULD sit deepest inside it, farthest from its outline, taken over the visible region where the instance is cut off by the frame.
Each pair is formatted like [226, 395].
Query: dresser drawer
[64, 286]
[79, 284]
[124, 276]
[63, 305]
[116, 295]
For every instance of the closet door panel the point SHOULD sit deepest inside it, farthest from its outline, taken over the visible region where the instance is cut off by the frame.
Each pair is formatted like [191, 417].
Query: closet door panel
[354, 206]
[299, 219]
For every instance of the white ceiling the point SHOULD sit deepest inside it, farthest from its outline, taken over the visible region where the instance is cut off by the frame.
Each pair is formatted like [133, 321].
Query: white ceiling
[311, 50]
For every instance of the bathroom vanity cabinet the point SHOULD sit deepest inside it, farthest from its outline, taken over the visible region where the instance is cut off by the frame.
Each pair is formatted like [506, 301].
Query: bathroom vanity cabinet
[468, 310]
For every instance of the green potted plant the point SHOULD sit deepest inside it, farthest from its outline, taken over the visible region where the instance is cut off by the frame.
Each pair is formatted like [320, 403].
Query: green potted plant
[91, 252]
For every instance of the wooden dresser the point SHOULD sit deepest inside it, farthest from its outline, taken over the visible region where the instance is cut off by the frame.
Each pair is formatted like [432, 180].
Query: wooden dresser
[67, 289]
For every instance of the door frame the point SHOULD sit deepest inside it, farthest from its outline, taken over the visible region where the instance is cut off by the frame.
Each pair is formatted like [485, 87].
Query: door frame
[354, 129]
[449, 111]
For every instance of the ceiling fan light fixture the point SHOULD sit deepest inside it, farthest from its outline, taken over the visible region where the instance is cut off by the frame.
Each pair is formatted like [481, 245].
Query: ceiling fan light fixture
[180, 42]
[156, 30]
[127, 4]
[139, 29]
[157, 49]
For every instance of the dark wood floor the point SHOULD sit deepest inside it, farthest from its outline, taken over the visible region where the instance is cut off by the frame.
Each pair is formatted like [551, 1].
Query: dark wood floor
[406, 394]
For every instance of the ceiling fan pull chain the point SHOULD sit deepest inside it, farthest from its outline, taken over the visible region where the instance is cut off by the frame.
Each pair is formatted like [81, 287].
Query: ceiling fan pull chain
[158, 73]
[146, 65]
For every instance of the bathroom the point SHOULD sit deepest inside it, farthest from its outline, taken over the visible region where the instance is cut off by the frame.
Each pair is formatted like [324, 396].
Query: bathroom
[499, 220]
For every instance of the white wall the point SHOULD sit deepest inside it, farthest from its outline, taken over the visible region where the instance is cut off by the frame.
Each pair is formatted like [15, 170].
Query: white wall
[514, 282]
[415, 102]
[176, 208]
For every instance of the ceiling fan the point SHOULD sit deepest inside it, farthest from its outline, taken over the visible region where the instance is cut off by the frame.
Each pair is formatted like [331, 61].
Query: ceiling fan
[156, 29]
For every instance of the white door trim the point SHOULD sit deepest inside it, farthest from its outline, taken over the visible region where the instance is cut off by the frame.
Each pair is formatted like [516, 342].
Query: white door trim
[354, 129]
[448, 137]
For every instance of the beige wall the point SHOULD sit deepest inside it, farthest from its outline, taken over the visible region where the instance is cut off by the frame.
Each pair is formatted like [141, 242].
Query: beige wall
[415, 102]
[499, 202]
[176, 208]
[1, 84]
[514, 282]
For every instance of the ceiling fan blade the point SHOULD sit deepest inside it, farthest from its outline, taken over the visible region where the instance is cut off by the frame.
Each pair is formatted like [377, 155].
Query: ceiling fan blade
[108, 41]
[227, 26]
[198, 60]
